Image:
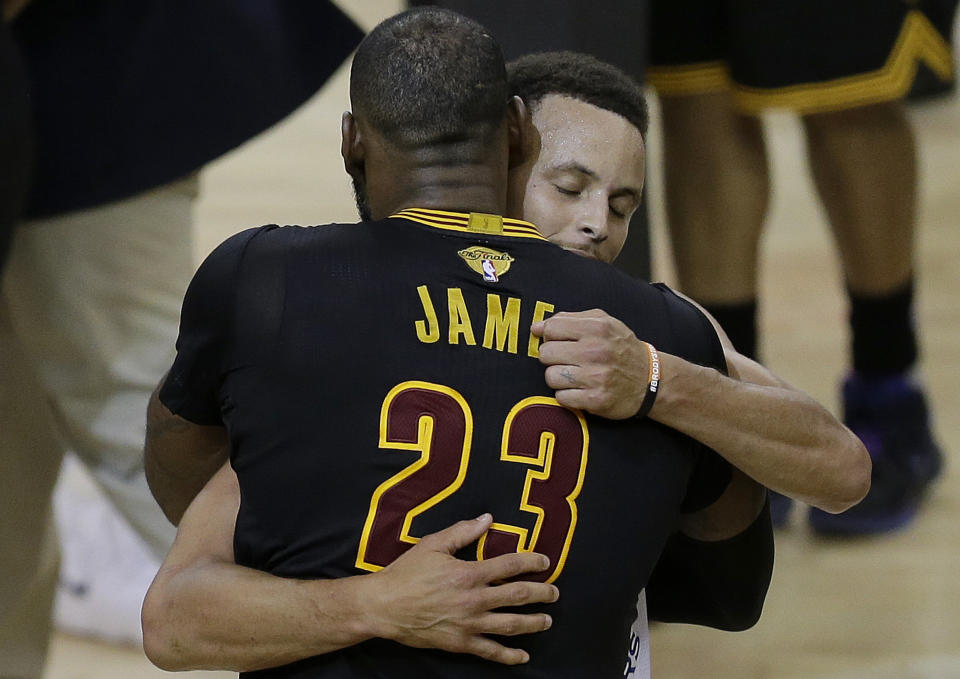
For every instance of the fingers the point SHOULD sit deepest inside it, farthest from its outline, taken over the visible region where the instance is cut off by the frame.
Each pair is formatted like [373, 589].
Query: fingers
[459, 535]
[578, 399]
[574, 325]
[562, 326]
[589, 349]
[520, 594]
[513, 624]
[491, 650]
[511, 565]
[563, 377]
[556, 352]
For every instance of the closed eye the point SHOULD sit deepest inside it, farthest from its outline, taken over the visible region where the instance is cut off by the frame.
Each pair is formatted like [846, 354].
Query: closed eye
[566, 192]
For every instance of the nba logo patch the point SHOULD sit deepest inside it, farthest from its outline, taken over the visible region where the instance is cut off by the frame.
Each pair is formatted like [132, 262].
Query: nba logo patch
[489, 263]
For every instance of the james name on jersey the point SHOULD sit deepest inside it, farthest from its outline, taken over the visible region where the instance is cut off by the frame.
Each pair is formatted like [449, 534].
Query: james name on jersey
[500, 329]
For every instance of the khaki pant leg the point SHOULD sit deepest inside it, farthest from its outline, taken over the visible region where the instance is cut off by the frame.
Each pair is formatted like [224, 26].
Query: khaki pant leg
[95, 296]
[30, 457]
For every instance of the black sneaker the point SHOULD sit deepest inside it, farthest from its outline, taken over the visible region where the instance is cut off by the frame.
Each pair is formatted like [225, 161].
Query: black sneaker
[890, 416]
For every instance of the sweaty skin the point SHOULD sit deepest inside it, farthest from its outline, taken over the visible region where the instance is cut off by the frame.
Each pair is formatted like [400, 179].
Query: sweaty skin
[581, 193]
[587, 179]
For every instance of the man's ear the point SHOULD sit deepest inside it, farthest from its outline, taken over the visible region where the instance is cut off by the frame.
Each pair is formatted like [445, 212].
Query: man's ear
[351, 146]
[520, 131]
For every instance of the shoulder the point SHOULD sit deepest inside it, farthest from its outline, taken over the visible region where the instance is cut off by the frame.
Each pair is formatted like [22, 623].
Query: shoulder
[694, 332]
[682, 309]
[234, 247]
[271, 238]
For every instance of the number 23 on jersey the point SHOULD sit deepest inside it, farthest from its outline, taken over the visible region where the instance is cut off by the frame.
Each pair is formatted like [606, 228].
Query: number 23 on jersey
[436, 421]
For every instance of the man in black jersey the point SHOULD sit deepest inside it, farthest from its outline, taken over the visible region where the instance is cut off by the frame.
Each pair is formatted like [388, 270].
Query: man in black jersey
[378, 380]
[234, 508]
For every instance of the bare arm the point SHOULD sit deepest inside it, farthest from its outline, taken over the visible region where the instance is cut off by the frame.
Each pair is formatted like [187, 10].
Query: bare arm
[716, 569]
[205, 612]
[774, 433]
[179, 457]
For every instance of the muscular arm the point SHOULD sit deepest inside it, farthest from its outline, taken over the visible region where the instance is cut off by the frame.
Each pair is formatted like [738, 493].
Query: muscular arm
[774, 433]
[715, 570]
[179, 457]
[203, 611]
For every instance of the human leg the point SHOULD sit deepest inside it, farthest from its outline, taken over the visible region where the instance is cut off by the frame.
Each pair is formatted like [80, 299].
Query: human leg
[95, 297]
[717, 190]
[863, 161]
[716, 177]
[30, 456]
[715, 166]
[105, 568]
[840, 67]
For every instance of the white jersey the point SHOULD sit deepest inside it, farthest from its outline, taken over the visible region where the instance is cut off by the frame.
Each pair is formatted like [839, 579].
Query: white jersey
[638, 655]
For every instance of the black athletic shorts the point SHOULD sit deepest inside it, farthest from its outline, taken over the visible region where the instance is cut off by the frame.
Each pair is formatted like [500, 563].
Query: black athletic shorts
[806, 55]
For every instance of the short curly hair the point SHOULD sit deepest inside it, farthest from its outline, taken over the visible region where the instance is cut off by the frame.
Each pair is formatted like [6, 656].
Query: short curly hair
[582, 77]
[429, 76]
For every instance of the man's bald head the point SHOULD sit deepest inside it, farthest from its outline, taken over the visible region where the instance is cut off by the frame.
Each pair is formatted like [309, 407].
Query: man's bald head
[429, 76]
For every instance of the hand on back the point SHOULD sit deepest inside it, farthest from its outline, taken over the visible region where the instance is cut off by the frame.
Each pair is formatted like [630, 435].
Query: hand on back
[428, 598]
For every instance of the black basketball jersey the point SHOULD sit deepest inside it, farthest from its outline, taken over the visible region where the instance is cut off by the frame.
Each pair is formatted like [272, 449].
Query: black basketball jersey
[379, 382]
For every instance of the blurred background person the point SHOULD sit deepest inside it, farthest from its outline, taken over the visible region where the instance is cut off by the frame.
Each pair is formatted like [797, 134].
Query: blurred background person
[844, 69]
[128, 101]
[16, 134]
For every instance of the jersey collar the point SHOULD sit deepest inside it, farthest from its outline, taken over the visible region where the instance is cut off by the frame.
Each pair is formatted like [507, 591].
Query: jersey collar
[472, 222]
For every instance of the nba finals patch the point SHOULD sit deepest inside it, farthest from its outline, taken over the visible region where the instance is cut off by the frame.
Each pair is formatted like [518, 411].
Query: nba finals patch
[491, 264]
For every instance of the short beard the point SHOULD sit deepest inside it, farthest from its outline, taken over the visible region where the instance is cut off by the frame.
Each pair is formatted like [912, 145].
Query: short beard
[363, 204]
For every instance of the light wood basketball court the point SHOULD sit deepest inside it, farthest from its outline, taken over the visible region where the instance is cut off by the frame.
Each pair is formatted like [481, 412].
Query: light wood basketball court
[884, 608]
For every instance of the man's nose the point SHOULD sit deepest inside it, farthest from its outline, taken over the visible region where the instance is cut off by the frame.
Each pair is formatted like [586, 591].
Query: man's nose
[593, 221]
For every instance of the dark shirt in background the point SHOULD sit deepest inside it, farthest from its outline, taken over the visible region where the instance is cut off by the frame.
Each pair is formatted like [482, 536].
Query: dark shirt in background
[128, 96]
[16, 138]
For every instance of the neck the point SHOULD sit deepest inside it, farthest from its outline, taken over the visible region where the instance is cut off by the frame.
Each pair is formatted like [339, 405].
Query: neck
[465, 189]
[462, 178]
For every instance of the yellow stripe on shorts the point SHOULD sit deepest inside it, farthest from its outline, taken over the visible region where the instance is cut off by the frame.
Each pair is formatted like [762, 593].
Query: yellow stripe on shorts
[702, 78]
[918, 41]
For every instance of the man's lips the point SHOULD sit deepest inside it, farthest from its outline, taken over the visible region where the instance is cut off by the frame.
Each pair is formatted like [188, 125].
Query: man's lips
[589, 254]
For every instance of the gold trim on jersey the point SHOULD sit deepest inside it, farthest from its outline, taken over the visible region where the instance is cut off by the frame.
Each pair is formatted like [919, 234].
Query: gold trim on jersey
[462, 221]
[918, 41]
